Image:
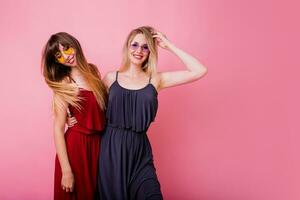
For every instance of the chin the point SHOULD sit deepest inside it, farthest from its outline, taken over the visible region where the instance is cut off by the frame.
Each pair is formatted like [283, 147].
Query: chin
[137, 62]
[73, 64]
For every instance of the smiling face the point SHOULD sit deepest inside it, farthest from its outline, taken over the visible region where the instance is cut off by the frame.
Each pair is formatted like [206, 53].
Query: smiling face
[138, 50]
[66, 56]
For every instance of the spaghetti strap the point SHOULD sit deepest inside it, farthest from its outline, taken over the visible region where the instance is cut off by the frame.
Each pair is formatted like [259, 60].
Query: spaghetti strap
[72, 80]
[150, 78]
[117, 72]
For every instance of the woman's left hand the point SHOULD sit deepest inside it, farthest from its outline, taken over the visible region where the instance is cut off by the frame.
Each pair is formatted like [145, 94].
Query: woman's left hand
[71, 121]
[161, 40]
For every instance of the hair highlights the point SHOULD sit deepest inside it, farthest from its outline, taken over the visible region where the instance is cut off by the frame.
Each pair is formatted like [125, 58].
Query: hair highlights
[57, 75]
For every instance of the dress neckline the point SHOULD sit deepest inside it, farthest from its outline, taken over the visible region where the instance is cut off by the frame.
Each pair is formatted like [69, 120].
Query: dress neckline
[83, 89]
[135, 90]
[79, 88]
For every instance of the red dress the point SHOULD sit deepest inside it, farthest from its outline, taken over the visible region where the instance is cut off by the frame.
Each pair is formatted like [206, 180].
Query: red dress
[83, 144]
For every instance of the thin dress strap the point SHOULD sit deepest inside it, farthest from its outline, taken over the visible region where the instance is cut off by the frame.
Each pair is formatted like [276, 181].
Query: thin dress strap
[72, 80]
[150, 78]
[117, 72]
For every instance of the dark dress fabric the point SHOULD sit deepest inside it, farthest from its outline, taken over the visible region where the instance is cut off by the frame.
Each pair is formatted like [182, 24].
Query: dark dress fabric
[126, 169]
[83, 145]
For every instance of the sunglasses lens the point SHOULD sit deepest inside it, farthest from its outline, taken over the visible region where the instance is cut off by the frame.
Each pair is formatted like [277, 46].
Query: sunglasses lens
[145, 48]
[69, 50]
[134, 46]
[60, 59]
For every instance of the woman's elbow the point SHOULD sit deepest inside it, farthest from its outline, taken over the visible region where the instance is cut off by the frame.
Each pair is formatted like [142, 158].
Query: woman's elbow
[201, 73]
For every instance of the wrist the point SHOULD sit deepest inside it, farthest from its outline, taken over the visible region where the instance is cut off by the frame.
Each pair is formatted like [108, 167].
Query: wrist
[172, 47]
[66, 170]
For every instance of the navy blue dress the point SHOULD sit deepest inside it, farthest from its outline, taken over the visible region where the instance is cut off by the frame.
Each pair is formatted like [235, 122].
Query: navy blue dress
[126, 169]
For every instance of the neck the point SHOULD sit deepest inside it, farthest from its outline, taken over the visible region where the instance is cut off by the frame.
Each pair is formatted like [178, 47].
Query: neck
[134, 70]
[75, 72]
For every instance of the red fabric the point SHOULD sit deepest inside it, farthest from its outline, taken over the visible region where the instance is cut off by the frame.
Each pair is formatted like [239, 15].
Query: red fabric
[83, 145]
[90, 118]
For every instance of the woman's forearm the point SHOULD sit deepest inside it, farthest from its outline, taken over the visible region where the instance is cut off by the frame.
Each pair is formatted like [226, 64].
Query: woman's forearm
[61, 149]
[191, 63]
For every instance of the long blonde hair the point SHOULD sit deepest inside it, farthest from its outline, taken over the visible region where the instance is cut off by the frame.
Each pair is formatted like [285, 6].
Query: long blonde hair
[149, 65]
[57, 75]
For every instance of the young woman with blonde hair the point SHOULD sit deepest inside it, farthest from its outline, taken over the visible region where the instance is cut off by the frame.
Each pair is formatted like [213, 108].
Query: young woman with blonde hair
[126, 169]
[77, 91]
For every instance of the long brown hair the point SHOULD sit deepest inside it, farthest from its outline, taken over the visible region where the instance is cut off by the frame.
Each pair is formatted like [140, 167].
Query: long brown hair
[57, 75]
[149, 65]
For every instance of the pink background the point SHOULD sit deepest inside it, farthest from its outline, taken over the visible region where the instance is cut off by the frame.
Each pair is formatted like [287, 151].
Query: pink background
[230, 136]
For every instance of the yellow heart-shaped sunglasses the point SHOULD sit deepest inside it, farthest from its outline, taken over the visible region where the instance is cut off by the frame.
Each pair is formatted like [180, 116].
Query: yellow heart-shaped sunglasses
[67, 51]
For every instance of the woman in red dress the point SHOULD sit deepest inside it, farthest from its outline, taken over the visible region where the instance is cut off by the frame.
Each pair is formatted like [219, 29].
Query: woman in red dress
[77, 91]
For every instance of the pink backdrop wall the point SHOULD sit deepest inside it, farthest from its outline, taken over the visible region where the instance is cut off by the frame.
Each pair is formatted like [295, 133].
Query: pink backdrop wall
[230, 136]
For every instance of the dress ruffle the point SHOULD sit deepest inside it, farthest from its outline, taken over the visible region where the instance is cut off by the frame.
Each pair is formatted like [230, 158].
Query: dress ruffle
[131, 109]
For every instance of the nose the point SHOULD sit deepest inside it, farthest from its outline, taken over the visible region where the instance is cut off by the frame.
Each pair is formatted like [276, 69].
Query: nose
[66, 57]
[139, 49]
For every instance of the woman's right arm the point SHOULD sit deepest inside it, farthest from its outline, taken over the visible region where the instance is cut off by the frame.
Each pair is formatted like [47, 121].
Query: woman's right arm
[68, 180]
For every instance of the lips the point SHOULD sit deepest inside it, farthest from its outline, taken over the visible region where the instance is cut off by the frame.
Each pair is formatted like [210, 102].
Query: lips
[71, 60]
[138, 56]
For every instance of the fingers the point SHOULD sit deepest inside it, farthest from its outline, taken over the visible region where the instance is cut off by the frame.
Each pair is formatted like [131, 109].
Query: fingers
[68, 189]
[69, 113]
[155, 36]
[70, 125]
[158, 34]
[68, 182]
[71, 121]
[159, 37]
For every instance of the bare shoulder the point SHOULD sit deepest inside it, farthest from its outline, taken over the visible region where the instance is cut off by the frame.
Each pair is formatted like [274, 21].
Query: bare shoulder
[109, 78]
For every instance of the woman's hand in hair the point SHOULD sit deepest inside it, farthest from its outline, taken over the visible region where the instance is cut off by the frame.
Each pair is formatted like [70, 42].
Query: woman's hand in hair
[194, 69]
[161, 40]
